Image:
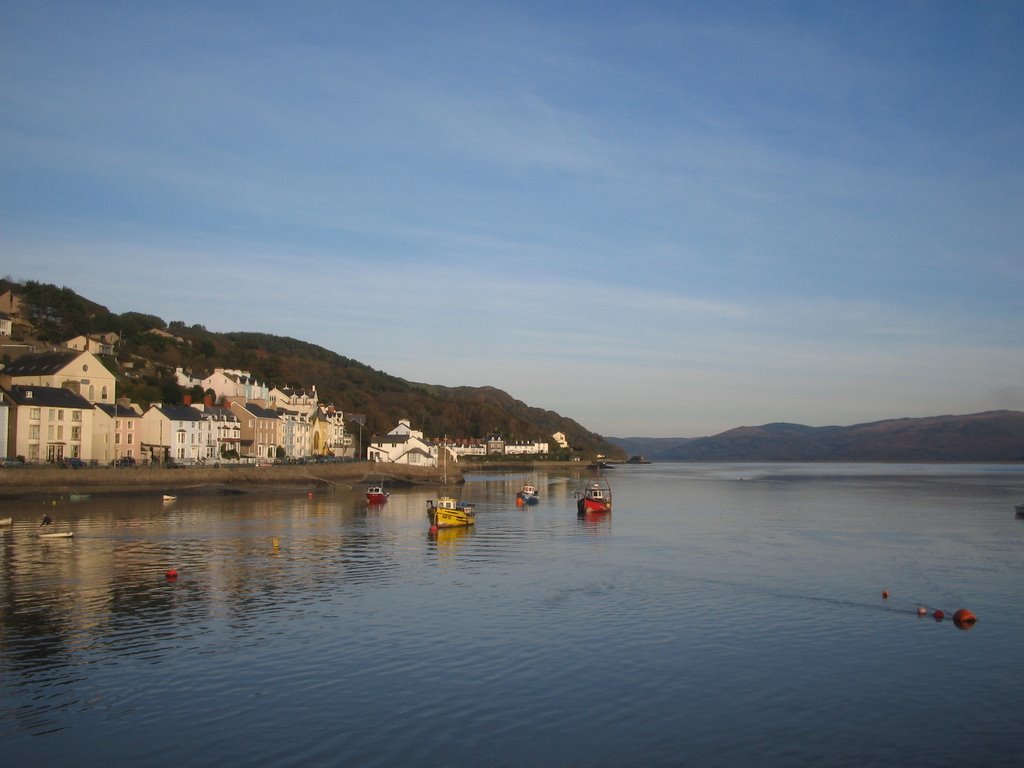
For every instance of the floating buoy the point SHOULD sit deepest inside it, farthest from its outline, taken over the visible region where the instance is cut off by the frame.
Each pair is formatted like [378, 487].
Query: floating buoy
[964, 619]
[885, 594]
[172, 573]
[938, 615]
[433, 529]
[309, 495]
[519, 501]
[276, 543]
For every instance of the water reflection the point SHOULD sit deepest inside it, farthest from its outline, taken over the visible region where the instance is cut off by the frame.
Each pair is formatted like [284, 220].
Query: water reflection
[322, 639]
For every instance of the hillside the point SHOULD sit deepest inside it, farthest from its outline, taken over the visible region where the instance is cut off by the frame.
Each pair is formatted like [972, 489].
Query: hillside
[145, 363]
[989, 436]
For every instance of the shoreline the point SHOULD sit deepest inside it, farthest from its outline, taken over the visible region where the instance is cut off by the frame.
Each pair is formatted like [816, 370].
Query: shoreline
[30, 482]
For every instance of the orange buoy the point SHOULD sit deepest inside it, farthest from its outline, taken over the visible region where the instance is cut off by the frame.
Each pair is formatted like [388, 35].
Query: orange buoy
[885, 594]
[938, 615]
[921, 610]
[172, 573]
[433, 529]
[964, 619]
[519, 501]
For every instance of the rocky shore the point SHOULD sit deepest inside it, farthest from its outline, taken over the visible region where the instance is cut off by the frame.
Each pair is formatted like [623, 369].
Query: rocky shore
[42, 481]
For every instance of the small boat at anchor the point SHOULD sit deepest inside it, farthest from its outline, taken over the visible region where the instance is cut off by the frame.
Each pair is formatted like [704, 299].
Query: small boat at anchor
[56, 535]
[1019, 509]
[527, 495]
[169, 497]
[449, 513]
[376, 494]
[5, 521]
[596, 496]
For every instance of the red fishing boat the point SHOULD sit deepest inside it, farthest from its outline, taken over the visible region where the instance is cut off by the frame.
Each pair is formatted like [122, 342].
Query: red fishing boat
[376, 494]
[595, 497]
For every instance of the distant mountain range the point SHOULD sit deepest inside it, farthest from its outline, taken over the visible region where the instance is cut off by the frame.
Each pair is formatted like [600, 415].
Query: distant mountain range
[989, 436]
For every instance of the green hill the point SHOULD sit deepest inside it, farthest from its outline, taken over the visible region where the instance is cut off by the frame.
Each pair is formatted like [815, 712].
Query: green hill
[145, 364]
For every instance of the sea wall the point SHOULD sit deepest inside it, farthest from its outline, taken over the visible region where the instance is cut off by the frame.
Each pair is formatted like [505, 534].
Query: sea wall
[29, 481]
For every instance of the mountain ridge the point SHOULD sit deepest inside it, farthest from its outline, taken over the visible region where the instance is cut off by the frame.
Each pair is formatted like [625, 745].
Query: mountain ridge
[985, 436]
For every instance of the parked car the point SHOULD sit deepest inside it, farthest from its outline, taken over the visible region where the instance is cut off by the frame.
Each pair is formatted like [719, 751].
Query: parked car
[12, 461]
[125, 461]
[73, 463]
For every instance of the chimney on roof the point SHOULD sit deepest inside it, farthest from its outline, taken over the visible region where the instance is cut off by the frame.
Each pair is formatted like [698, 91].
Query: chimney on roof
[187, 399]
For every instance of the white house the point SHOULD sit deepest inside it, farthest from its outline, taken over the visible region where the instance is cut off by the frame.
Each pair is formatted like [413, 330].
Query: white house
[237, 385]
[403, 445]
[176, 433]
[526, 448]
[225, 428]
[49, 423]
[6, 326]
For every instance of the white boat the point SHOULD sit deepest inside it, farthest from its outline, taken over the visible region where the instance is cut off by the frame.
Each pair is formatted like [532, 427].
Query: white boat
[56, 535]
[6, 520]
[169, 497]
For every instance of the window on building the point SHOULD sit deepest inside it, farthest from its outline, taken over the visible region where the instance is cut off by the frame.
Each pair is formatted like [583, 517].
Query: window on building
[181, 438]
[76, 415]
[117, 438]
[33, 432]
[33, 453]
[130, 436]
[35, 413]
[76, 433]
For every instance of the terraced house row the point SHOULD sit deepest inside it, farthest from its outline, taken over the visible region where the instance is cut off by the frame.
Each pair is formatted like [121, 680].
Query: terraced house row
[62, 405]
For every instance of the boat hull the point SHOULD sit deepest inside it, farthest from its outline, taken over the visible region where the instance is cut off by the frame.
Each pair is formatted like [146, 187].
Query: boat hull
[376, 498]
[64, 535]
[447, 518]
[583, 506]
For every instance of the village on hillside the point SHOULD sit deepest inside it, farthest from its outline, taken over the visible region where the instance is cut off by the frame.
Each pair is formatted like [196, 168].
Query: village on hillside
[61, 406]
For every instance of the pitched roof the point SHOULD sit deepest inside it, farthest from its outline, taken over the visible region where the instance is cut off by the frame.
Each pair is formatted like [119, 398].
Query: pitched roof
[179, 412]
[47, 397]
[117, 410]
[40, 363]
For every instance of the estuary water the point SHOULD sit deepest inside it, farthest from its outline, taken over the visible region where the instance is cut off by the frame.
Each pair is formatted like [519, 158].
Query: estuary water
[721, 615]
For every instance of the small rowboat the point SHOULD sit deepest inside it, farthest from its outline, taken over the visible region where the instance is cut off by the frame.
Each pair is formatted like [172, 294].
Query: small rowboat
[169, 497]
[6, 521]
[56, 535]
[1018, 508]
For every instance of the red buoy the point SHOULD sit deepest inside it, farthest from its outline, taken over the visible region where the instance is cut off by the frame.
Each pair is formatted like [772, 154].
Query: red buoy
[885, 594]
[964, 619]
[171, 573]
[938, 615]
[433, 529]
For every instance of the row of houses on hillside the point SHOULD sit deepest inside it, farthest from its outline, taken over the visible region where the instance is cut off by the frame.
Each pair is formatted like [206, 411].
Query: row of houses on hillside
[62, 405]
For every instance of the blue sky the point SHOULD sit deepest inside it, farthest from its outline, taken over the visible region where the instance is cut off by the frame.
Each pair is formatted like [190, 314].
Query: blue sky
[660, 219]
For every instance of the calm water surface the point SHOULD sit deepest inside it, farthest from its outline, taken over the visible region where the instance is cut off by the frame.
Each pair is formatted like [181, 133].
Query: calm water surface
[721, 615]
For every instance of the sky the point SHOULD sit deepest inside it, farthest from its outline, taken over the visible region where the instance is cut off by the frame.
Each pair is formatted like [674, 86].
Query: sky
[662, 219]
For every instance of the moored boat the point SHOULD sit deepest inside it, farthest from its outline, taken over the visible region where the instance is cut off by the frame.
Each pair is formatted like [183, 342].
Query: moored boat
[449, 513]
[56, 535]
[1019, 508]
[527, 495]
[376, 494]
[169, 497]
[78, 496]
[595, 497]
[4, 521]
